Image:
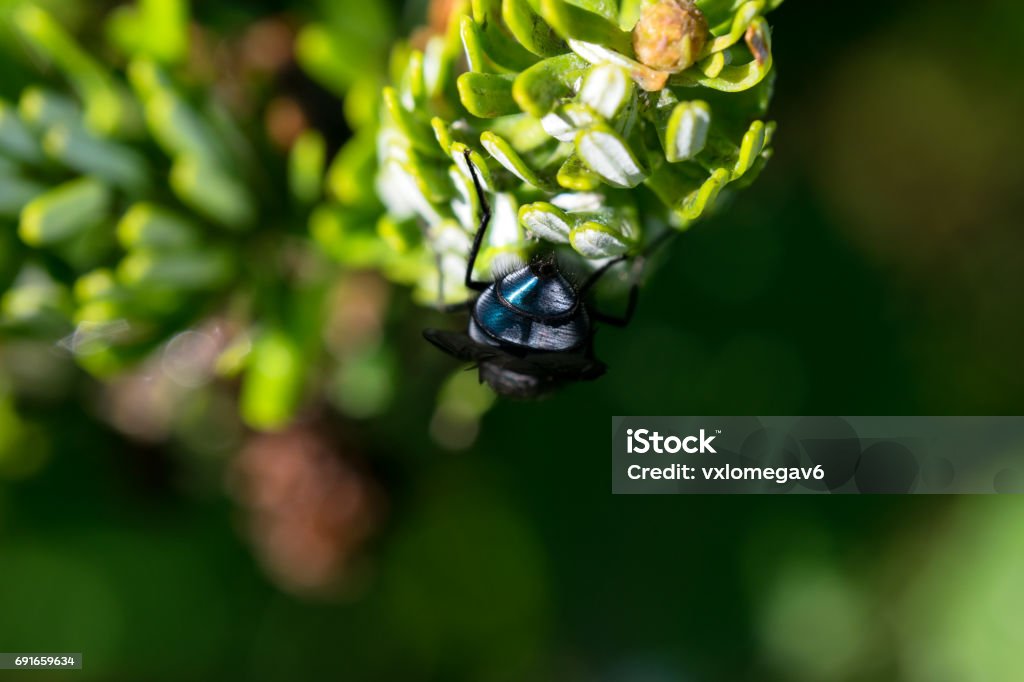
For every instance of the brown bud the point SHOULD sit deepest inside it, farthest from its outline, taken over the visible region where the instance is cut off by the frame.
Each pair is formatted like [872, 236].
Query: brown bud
[670, 35]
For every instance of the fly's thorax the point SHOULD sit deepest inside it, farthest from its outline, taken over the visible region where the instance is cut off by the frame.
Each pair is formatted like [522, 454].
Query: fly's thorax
[533, 308]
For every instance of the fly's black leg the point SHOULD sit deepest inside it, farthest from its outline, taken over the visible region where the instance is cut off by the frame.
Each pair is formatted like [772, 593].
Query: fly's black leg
[478, 238]
[598, 274]
[634, 289]
[634, 296]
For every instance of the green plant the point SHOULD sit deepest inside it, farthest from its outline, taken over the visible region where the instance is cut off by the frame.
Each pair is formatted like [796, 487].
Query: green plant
[144, 207]
[580, 143]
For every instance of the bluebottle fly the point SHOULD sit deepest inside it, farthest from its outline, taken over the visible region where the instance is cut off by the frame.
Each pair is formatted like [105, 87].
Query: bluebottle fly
[531, 330]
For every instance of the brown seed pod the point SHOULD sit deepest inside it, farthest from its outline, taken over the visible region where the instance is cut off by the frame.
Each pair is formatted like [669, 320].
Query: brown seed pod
[670, 35]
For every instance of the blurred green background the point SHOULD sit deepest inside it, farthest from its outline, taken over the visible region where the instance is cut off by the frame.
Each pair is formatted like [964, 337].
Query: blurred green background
[875, 268]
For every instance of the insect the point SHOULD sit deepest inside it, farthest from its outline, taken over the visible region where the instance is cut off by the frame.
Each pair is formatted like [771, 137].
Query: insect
[531, 330]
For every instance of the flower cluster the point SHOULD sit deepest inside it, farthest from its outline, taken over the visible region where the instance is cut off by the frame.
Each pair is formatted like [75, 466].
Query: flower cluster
[594, 124]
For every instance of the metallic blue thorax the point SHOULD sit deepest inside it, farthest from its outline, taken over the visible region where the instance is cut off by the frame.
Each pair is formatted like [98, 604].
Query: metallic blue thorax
[524, 309]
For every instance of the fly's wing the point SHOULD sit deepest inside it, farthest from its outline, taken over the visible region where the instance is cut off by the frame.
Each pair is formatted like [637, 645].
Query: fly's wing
[460, 345]
[548, 366]
[561, 366]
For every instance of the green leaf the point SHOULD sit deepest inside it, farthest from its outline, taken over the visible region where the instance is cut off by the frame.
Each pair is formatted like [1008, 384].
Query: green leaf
[575, 175]
[438, 58]
[108, 109]
[530, 30]
[488, 49]
[647, 78]
[212, 192]
[502, 152]
[147, 78]
[273, 382]
[348, 237]
[442, 282]
[570, 21]
[306, 164]
[605, 153]
[400, 190]
[523, 132]
[629, 13]
[504, 233]
[487, 95]
[95, 285]
[325, 57]
[711, 73]
[116, 164]
[737, 160]
[354, 38]
[16, 140]
[158, 29]
[539, 88]
[64, 212]
[606, 89]
[413, 128]
[567, 120]
[400, 236]
[448, 237]
[742, 18]
[703, 198]
[351, 174]
[36, 300]
[595, 240]
[15, 193]
[546, 221]
[43, 109]
[609, 9]
[154, 228]
[688, 189]
[683, 129]
[195, 270]
[598, 229]
[179, 128]
[443, 133]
